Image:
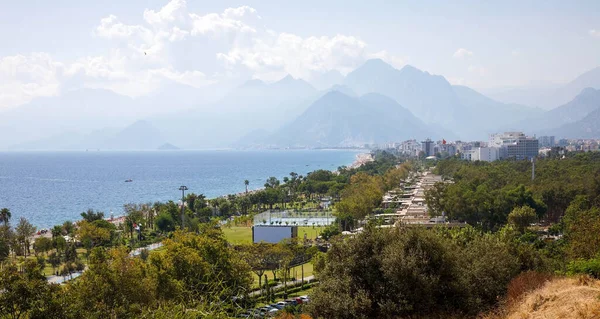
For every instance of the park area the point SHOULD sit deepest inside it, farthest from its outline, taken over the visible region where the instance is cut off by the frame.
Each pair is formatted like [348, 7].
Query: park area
[243, 235]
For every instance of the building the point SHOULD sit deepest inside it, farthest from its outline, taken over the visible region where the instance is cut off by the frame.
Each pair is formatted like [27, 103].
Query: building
[547, 141]
[427, 146]
[515, 145]
[487, 154]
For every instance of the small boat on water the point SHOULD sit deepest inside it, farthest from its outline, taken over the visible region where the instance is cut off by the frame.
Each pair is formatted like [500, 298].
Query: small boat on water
[128, 180]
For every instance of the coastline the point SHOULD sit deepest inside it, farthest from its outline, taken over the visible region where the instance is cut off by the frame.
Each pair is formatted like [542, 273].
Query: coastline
[357, 159]
[362, 159]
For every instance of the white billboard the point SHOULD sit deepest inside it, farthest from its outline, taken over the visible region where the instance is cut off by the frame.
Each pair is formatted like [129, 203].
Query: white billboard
[273, 234]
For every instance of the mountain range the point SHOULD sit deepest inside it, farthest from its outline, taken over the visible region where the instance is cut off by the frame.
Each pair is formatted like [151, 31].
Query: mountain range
[375, 103]
[548, 97]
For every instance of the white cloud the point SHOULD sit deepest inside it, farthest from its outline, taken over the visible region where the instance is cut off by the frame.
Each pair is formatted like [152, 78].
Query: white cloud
[193, 48]
[595, 33]
[24, 77]
[515, 52]
[462, 53]
[479, 70]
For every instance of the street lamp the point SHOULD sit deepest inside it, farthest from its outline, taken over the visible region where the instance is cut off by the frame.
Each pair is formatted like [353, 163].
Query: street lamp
[182, 188]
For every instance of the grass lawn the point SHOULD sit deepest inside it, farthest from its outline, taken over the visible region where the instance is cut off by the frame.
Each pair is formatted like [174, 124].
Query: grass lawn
[243, 235]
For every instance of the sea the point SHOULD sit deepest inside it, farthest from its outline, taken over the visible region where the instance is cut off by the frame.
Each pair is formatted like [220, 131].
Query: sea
[49, 188]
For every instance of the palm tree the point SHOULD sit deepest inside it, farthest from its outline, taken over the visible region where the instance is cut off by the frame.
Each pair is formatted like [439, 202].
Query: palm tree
[246, 182]
[5, 215]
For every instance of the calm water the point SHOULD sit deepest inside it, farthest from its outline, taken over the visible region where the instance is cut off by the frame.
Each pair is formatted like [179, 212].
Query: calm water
[49, 188]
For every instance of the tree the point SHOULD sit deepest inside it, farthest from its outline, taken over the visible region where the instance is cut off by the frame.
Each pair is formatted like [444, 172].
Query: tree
[246, 183]
[256, 257]
[522, 217]
[200, 266]
[5, 242]
[5, 216]
[91, 235]
[54, 260]
[92, 215]
[27, 294]
[272, 182]
[68, 227]
[114, 286]
[581, 228]
[164, 222]
[361, 197]
[24, 231]
[42, 245]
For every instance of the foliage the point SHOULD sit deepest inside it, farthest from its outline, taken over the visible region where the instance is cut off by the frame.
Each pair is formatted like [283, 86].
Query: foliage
[92, 215]
[27, 294]
[361, 197]
[581, 226]
[522, 217]
[404, 272]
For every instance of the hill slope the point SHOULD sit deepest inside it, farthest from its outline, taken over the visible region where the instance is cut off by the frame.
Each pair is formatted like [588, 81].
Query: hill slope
[550, 121]
[340, 120]
[567, 298]
[432, 99]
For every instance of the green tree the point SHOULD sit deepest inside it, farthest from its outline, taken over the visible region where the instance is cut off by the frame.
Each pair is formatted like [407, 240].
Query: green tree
[42, 245]
[361, 197]
[164, 222]
[91, 235]
[92, 215]
[581, 228]
[246, 183]
[114, 286]
[522, 217]
[5, 216]
[27, 294]
[24, 231]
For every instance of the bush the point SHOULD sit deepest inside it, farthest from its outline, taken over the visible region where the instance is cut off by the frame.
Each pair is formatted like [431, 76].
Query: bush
[590, 267]
[524, 283]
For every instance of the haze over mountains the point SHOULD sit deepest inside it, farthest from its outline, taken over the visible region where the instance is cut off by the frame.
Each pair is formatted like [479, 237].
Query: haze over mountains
[375, 103]
[548, 97]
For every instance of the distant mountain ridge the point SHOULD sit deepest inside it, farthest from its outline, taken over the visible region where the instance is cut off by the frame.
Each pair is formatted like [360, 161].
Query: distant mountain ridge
[248, 113]
[576, 119]
[434, 100]
[340, 120]
[549, 98]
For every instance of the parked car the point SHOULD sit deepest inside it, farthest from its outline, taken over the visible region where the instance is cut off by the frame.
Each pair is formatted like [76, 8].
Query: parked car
[280, 305]
[292, 302]
[305, 299]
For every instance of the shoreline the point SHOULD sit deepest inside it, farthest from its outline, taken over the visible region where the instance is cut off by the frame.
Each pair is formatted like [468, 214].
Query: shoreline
[359, 160]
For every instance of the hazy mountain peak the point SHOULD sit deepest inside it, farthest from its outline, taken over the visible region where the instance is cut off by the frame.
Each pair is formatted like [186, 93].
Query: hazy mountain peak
[375, 64]
[254, 83]
[287, 79]
[587, 91]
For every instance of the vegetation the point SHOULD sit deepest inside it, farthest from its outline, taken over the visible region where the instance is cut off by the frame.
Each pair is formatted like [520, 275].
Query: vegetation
[518, 234]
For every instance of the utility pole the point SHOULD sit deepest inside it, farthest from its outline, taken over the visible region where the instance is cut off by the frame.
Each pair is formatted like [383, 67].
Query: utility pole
[182, 188]
[532, 169]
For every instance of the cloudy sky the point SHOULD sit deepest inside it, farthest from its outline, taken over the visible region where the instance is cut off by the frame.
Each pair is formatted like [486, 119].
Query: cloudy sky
[134, 47]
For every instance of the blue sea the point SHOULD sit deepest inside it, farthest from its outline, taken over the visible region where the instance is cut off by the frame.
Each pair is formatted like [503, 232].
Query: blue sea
[49, 188]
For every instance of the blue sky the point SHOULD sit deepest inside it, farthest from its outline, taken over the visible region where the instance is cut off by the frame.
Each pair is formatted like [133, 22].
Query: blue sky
[49, 45]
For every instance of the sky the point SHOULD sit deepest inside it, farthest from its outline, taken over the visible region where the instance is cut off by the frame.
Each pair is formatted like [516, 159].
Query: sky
[135, 47]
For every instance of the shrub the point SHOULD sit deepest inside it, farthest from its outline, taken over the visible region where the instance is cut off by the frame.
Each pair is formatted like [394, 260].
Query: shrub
[582, 266]
[524, 283]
